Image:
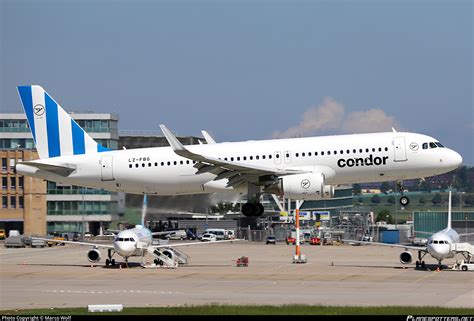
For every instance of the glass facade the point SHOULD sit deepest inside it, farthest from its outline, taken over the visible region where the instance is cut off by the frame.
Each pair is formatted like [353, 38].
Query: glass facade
[81, 207]
[98, 126]
[14, 126]
[54, 189]
[17, 143]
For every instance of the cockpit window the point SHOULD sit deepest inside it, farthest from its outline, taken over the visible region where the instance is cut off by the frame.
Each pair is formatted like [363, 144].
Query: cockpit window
[439, 144]
[433, 145]
[435, 242]
[425, 145]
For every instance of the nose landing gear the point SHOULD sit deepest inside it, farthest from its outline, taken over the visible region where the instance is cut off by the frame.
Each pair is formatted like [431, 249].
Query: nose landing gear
[404, 200]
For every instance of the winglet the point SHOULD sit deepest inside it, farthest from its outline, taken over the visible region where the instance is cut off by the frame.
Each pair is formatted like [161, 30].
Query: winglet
[208, 137]
[393, 130]
[172, 140]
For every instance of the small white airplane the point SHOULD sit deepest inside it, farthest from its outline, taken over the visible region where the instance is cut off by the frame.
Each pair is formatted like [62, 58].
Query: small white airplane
[440, 245]
[137, 241]
[299, 168]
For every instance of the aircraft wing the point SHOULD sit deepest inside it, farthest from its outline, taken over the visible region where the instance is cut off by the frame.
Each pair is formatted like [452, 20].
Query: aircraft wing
[194, 243]
[408, 247]
[235, 172]
[96, 245]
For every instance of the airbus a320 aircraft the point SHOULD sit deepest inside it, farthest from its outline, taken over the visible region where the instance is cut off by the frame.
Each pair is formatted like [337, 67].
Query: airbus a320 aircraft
[299, 168]
[137, 241]
[441, 245]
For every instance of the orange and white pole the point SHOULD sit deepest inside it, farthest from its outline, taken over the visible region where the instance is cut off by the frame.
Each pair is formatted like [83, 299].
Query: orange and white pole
[297, 219]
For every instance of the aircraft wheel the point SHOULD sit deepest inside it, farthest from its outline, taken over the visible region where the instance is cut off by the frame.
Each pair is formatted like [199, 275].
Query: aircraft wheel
[249, 209]
[112, 262]
[260, 209]
[464, 268]
[107, 262]
[417, 264]
[404, 201]
[423, 264]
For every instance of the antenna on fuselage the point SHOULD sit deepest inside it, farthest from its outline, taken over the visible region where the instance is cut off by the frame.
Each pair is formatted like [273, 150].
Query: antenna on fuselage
[144, 206]
[449, 211]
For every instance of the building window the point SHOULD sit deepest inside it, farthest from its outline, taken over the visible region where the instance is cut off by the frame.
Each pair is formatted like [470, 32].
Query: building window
[4, 201]
[4, 164]
[4, 182]
[12, 201]
[20, 181]
[20, 201]
[12, 182]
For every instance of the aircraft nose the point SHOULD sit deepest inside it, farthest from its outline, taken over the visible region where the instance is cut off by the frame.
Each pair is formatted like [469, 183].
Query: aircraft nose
[455, 159]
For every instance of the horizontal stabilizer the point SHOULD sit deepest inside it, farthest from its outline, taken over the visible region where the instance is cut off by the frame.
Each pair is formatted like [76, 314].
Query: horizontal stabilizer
[64, 170]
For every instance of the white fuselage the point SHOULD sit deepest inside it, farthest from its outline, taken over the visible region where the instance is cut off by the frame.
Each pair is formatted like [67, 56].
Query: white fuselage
[132, 242]
[343, 159]
[440, 244]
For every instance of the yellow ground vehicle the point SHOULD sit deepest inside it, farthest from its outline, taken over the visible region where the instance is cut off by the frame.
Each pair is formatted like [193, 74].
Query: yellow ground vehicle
[2, 234]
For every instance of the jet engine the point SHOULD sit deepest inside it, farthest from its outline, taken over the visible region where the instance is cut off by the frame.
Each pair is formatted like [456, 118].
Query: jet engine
[405, 257]
[308, 186]
[93, 255]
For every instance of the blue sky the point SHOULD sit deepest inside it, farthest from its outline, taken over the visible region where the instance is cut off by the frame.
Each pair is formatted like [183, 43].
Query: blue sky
[250, 69]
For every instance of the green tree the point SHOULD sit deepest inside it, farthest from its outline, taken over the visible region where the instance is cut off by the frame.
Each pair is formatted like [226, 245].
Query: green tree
[384, 215]
[360, 200]
[356, 189]
[391, 199]
[384, 187]
[437, 199]
[375, 199]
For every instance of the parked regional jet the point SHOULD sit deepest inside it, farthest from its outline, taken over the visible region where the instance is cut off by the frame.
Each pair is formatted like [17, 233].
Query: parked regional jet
[134, 242]
[441, 245]
[300, 168]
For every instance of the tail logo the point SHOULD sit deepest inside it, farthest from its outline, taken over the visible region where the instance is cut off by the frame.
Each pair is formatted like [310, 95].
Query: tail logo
[39, 110]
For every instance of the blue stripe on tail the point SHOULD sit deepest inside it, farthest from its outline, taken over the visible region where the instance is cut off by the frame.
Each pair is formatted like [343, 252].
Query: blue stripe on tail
[78, 143]
[101, 148]
[52, 124]
[27, 101]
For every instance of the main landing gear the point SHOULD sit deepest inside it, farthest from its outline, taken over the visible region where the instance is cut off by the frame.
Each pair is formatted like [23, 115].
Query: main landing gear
[421, 263]
[110, 261]
[404, 200]
[253, 207]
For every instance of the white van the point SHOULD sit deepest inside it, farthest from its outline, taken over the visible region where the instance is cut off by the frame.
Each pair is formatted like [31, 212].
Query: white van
[218, 232]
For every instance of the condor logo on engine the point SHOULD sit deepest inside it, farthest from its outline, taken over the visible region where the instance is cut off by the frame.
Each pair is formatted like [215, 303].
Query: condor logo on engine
[368, 161]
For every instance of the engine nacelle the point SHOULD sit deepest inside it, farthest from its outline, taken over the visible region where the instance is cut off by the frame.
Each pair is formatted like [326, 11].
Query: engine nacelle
[93, 255]
[308, 186]
[405, 257]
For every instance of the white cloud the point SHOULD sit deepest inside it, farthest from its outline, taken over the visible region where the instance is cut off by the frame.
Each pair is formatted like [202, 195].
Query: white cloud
[326, 116]
[332, 115]
[369, 121]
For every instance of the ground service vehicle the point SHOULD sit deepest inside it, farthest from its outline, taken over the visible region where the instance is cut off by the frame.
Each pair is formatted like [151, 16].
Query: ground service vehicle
[271, 239]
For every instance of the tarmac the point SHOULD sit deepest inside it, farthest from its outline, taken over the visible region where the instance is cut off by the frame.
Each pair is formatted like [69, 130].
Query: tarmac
[344, 275]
